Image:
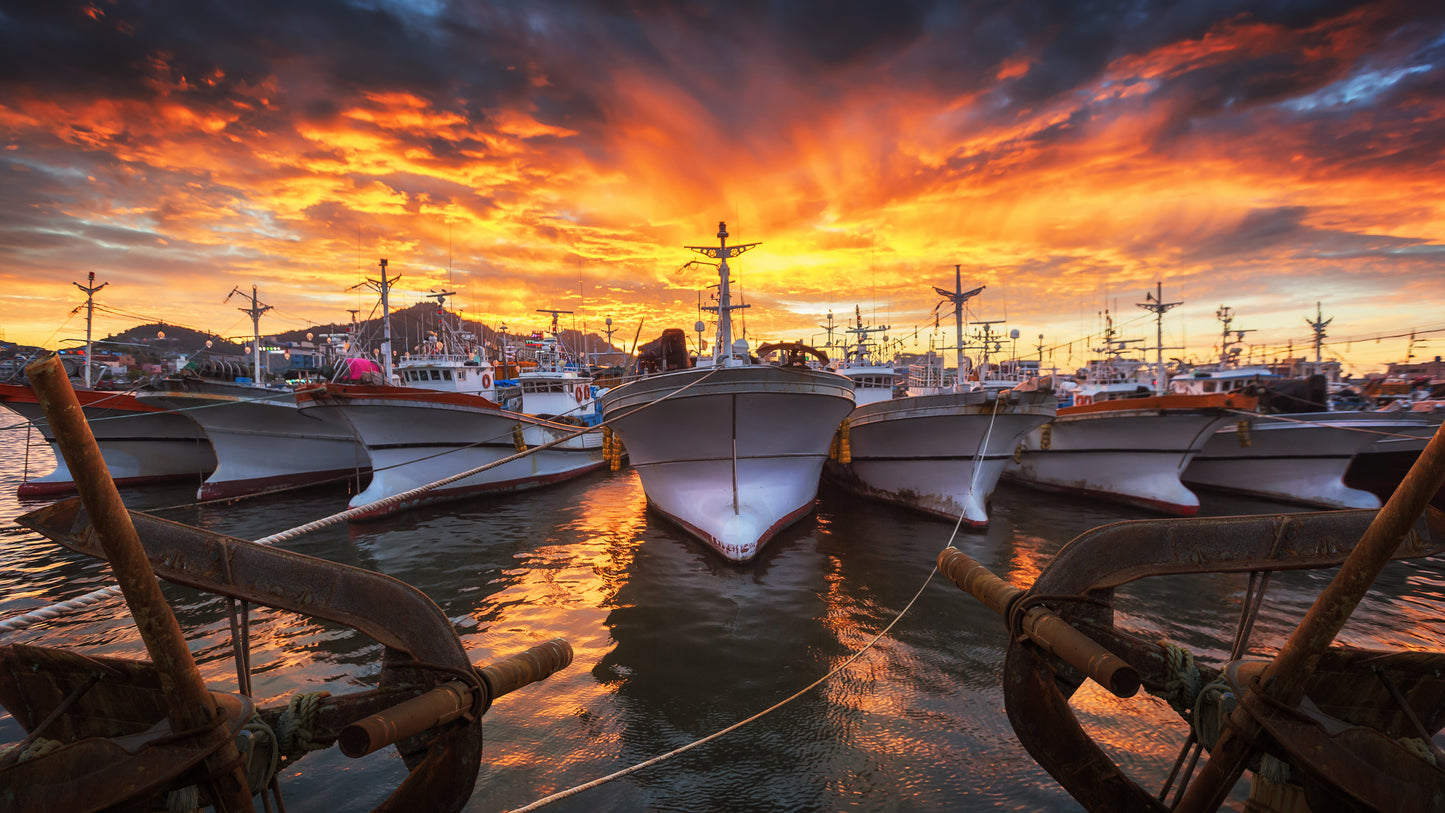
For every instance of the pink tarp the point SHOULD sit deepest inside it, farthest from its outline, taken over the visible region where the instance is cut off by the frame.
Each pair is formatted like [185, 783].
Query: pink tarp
[354, 369]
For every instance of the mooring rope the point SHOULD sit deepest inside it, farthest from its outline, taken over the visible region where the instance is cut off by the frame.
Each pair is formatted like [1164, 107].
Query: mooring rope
[573, 791]
[1335, 425]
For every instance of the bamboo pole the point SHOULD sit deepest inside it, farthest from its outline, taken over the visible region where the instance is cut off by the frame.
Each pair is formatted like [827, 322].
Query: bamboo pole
[190, 705]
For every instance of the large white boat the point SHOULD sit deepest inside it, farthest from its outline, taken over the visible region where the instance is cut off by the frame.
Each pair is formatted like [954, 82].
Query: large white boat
[261, 440]
[941, 453]
[445, 423]
[733, 451]
[1299, 457]
[1290, 456]
[1124, 438]
[140, 443]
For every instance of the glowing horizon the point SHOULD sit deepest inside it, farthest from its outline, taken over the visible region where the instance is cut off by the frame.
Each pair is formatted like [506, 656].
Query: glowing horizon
[1261, 159]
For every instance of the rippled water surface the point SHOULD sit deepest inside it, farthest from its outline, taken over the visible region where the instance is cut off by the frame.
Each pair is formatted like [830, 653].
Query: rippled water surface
[673, 644]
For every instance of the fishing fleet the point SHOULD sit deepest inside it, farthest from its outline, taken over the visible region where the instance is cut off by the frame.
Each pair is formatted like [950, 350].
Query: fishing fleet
[730, 447]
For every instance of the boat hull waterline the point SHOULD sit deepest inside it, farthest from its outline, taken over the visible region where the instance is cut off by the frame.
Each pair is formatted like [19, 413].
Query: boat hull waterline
[1297, 458]
[941, 454]
[415, 437]
[737, 456]
[262, 440]
[1130, 451]
[140, 444]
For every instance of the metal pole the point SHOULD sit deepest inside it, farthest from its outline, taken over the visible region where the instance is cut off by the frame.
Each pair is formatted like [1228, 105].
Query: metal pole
[190, 705]
[385, 324]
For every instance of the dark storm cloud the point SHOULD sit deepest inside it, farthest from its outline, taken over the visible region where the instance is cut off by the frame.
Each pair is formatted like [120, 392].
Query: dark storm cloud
[124, 49]
[1282, 231]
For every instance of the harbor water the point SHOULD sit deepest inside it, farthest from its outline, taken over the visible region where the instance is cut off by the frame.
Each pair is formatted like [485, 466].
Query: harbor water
[673, 644]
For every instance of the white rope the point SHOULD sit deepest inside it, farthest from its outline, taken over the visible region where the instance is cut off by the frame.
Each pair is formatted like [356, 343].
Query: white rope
[21, 622]
[573, 791]
[978, 455]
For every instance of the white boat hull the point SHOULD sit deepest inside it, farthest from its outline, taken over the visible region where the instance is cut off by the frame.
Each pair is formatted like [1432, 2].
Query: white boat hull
[418, 437]
[1298, 458]
[941, 454]
[1132, 456]
[261, 439]
[735, 457]
[138, 444]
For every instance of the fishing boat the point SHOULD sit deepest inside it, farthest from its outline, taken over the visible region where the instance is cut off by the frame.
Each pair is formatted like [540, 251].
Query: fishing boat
[261, 440]
[556, 386]
[1379, 467]
[1322, 726]
[1294, 448]
[443, 424]
[731, 451]
[941, 453]
[141, 443]
[1300, 457]
[1124, 437]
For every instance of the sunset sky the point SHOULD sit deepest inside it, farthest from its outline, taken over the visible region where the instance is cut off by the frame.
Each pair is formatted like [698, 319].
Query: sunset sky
[1068, 155]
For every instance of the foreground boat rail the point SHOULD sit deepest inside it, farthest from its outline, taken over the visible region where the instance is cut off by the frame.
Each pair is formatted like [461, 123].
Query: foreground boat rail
[133, 734]
[1053, 648]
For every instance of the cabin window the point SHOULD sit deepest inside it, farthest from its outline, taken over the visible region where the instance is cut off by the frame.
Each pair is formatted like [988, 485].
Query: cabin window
[436, 375]
[461, 375]
[447, 374]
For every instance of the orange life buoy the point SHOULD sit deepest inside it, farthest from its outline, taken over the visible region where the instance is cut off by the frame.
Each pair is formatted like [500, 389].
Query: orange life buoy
[486, 380]
[581, 393]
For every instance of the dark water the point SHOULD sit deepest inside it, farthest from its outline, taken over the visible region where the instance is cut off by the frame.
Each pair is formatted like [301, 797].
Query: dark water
[673, 644]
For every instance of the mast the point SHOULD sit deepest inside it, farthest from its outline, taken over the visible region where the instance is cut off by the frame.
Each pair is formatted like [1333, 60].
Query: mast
[89, 315]
[254, 312]
[1225, 318]
[958, 296]
[556, 338]
[1154, 303]
[722, 253]
[1318, 326]
[830, 327]
[865, 344]
[383, 286]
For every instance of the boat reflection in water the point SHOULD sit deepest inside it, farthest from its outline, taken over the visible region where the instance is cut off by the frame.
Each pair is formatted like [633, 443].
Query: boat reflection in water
[672, 643]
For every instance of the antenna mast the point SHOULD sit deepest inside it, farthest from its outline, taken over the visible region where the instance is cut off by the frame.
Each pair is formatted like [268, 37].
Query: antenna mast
[724, 307]
[958, 296]
[89, 314]
[1318, 326]
[1154, 303]
[254, 312]
[383, 286]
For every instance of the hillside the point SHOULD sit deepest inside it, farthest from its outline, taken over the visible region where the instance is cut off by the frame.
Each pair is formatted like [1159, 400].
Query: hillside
[408, 327]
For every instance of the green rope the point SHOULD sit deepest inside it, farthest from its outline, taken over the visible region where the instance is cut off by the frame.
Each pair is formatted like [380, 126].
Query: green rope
[1213, 705]
[40, 747]
[1182, 685]
[1417, 746]
[262, 740]
[295, 735]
